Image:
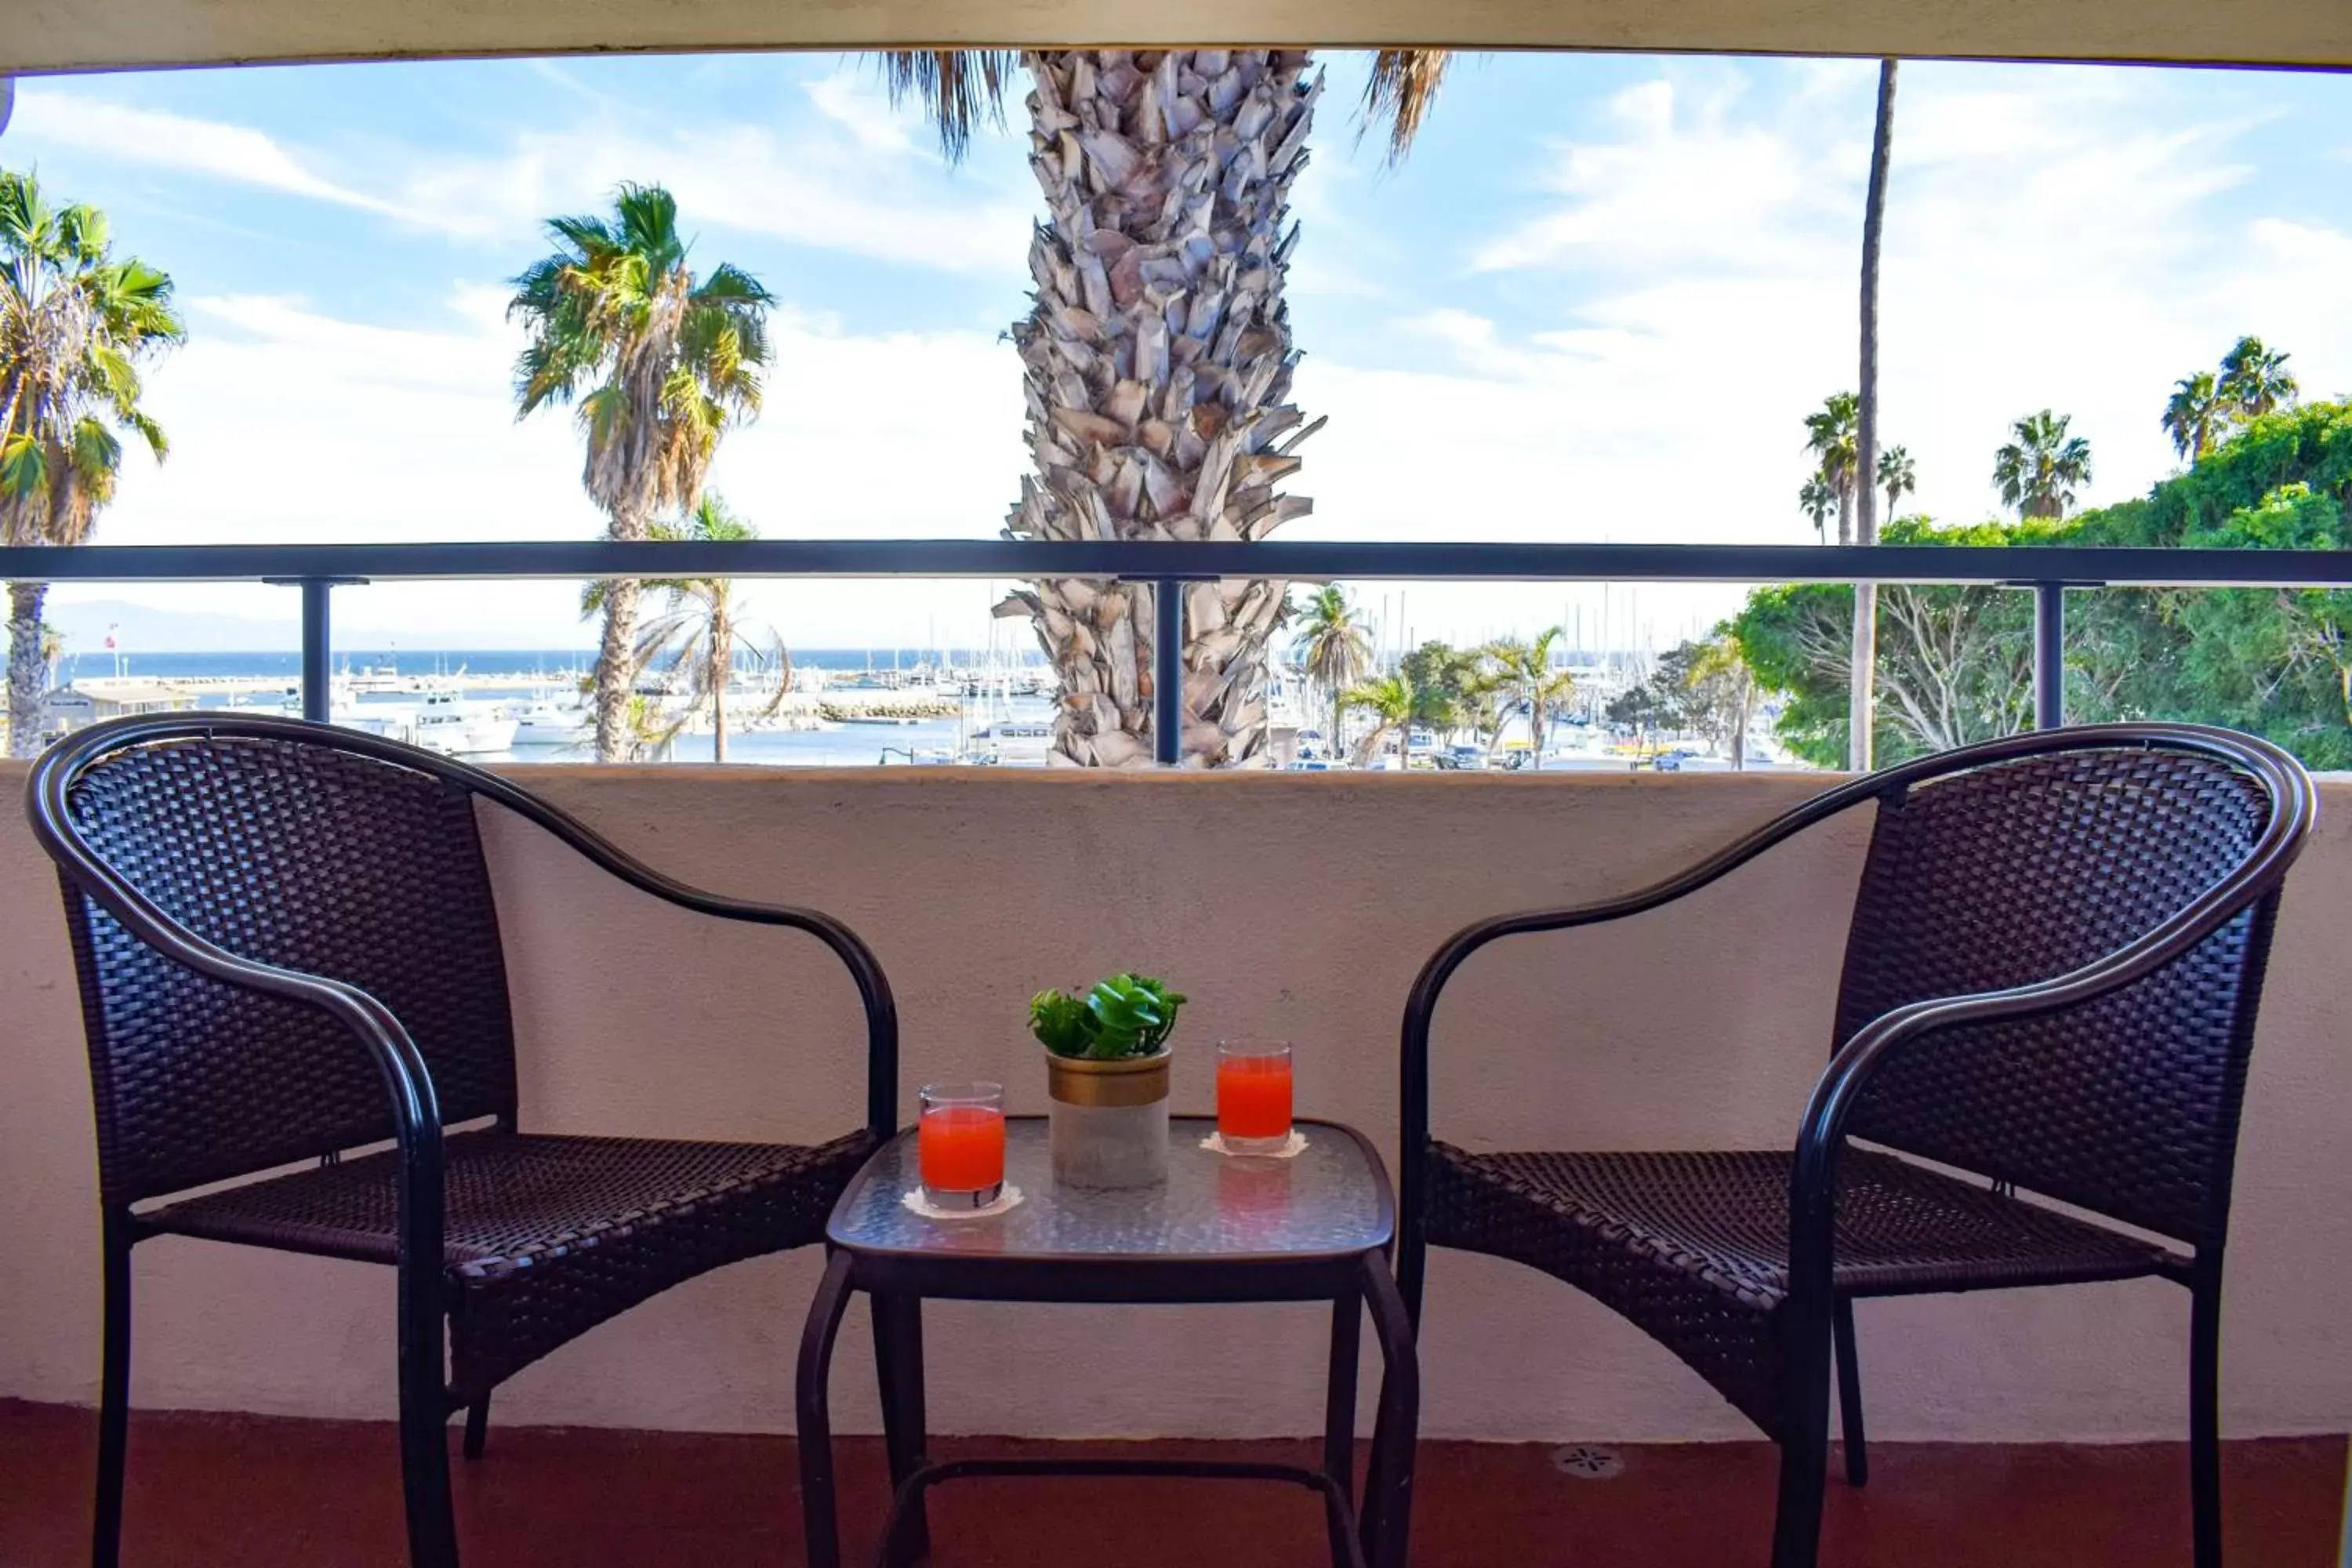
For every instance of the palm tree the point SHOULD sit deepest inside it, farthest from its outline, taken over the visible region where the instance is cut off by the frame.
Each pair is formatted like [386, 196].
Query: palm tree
[1722, 659]
[1337, 650]
[1898, 476]
[697, 628]
[1864, 665]
[2254, 379]
[75, 323]
[1523, 674]
[1829, 437]
[2194, 414]
[1817, 500]
[1157, 355]
[2038, 472]
[659, 365]
[1395, 706]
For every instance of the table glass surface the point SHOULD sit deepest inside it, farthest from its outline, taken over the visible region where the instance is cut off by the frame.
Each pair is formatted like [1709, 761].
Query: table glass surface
[1330, 1200]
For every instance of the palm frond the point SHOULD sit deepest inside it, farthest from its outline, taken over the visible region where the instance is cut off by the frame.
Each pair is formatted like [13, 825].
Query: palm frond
[958, 88]
[1400, 92]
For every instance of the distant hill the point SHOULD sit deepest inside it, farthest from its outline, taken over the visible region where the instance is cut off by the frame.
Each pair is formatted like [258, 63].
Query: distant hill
[144, 628]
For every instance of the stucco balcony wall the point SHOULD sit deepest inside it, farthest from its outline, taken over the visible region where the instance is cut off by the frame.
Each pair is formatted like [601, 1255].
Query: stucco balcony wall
[1296, 906]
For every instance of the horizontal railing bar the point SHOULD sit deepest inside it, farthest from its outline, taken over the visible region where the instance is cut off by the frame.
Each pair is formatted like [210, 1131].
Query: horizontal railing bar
[1303, 560]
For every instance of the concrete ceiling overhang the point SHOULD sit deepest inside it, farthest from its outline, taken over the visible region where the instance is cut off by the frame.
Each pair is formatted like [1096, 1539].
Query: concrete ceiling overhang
[38, 36]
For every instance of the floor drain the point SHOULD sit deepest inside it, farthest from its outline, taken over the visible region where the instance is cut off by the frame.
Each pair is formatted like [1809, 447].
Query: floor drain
[1588, 1463]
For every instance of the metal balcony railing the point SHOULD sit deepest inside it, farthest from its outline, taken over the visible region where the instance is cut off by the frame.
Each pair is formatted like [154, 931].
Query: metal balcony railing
[2047, 571]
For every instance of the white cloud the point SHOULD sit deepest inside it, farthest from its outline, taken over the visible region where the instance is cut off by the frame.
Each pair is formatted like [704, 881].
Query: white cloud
[178, 143]
[851, 177]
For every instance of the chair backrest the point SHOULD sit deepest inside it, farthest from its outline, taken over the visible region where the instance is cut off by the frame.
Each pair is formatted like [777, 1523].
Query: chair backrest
[2018, 871]
[301, 846]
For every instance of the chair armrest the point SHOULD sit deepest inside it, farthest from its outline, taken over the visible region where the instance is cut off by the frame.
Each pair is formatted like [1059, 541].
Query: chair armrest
[865, 970]
[1420, 1006]
[407, 1081]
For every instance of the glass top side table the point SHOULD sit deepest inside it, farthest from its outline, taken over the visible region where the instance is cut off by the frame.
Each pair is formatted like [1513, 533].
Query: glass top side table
[1221, 1229]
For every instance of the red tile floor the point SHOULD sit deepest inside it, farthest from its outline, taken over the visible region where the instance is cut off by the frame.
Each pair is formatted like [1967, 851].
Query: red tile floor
[258, 1492]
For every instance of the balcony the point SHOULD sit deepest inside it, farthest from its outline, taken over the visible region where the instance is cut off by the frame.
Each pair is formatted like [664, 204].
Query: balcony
[2042, 1423]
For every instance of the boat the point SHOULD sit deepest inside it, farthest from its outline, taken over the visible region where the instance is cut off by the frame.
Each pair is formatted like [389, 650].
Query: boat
[450, 725]
[552, 721]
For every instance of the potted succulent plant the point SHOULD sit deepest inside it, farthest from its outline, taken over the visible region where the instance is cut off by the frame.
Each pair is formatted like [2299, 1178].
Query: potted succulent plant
[1107, 1070]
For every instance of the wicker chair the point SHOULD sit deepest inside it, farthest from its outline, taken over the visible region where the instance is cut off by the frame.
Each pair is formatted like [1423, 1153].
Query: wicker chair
[288, 949]
[2055, 957]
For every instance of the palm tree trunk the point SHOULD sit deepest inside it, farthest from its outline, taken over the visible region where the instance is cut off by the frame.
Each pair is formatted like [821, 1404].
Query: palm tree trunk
[28, 672]
[1157, 365]
[1861, 716]
[722, 670]
[616, 669]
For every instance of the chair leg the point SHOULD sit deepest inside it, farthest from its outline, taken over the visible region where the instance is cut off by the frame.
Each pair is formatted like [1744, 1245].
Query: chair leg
[813, 1399]
[1804, 1439]
[899, 1360]
[114, 1400]
[1849, 1382]
[1339, 1412]
[1385, 1527]
[478, 1426]
[425, 1423]
[1411, 1265]
[2205, 1417]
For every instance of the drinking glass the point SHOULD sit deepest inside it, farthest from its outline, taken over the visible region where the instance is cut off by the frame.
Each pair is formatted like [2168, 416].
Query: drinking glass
[960, 1141]
[1253, 1095]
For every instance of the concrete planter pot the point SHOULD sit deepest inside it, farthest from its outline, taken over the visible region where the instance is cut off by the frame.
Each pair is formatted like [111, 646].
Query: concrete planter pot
[1108, 1119]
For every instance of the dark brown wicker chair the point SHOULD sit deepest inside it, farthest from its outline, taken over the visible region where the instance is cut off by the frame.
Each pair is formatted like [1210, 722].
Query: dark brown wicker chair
[2055, 958]
[288, 950]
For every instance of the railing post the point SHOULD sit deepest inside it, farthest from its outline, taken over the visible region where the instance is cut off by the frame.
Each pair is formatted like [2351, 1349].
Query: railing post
[318, 692]
[317, 682]
[2049, 656]
[1168, 671]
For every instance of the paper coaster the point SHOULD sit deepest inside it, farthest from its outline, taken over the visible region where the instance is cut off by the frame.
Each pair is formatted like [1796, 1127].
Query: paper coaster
[1216, 1145]
[914, 1199]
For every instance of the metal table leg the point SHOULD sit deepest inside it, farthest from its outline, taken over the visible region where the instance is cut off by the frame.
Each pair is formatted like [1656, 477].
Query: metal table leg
[1388, 1486]
[899, 1363]
[817, 1504]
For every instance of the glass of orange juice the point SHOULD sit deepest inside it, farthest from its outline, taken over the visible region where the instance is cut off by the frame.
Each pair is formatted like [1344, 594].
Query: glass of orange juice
[1253, 1095]
[960, 1143]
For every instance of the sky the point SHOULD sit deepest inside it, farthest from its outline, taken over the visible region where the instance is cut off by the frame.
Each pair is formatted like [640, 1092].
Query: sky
[1594, 303]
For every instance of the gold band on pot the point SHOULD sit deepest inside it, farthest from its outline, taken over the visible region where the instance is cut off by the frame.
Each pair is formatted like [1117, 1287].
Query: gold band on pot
[1127, 1080]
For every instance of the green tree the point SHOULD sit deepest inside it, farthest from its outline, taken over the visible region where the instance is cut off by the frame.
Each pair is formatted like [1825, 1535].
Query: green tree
[2255, 380]
[1458, 678]
[2037, 472]
[1723, 687]
[698, 629]
[1522, 676]
[1898, 476]
[659, 364]
[75, 324]
[1955, 663]
[1818, 502]
[2194, 414]
[1157, 355]
[1396, 705]
[1829, 437]
[1334, 648]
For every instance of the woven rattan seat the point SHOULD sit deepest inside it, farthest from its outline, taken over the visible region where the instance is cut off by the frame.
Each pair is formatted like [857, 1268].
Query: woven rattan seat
[545, 1236]
[2052, 975]
[289, 949]
[1694, 1246]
